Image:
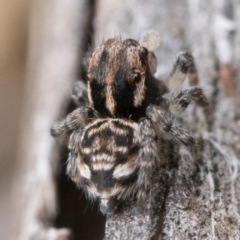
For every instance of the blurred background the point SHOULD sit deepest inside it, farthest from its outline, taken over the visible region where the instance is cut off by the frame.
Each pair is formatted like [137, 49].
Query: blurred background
[42, 47]
[14, 24]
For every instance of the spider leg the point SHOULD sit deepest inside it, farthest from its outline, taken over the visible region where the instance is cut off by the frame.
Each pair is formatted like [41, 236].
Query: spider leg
[148, 158]
[72, 163]
[79, 93]
[165, 124]
[73, 123]
[183, 66]
[179, 103]
[74, 120]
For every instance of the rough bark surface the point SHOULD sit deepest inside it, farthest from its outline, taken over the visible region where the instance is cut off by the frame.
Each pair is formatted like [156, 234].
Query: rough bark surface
[201, 199]
[191, 200]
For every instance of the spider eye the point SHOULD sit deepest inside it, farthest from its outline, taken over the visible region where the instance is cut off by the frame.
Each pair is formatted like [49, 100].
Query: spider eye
[134, 78]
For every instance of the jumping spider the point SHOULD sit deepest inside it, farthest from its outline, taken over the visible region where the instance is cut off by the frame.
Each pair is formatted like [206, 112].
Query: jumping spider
[113, 138]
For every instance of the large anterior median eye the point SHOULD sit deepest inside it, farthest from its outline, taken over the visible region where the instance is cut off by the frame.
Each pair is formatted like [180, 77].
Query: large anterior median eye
[134, 78]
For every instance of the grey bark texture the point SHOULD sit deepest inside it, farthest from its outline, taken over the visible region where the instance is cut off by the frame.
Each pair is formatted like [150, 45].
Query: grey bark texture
[199, 200]
[191, 200]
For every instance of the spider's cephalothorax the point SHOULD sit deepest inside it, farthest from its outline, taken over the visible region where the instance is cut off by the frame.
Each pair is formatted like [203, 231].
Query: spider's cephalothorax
[114, 144]
[120, 83]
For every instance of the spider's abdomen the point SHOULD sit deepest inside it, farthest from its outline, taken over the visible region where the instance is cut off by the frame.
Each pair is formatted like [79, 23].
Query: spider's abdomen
[113, 159]
[108, 155]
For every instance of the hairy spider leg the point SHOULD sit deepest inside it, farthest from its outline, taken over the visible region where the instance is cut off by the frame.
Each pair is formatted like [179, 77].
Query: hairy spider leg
[164, 123]
[179, 103]
[183, 66]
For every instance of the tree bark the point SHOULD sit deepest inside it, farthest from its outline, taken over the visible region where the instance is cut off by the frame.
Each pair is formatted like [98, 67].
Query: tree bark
[201, 199]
